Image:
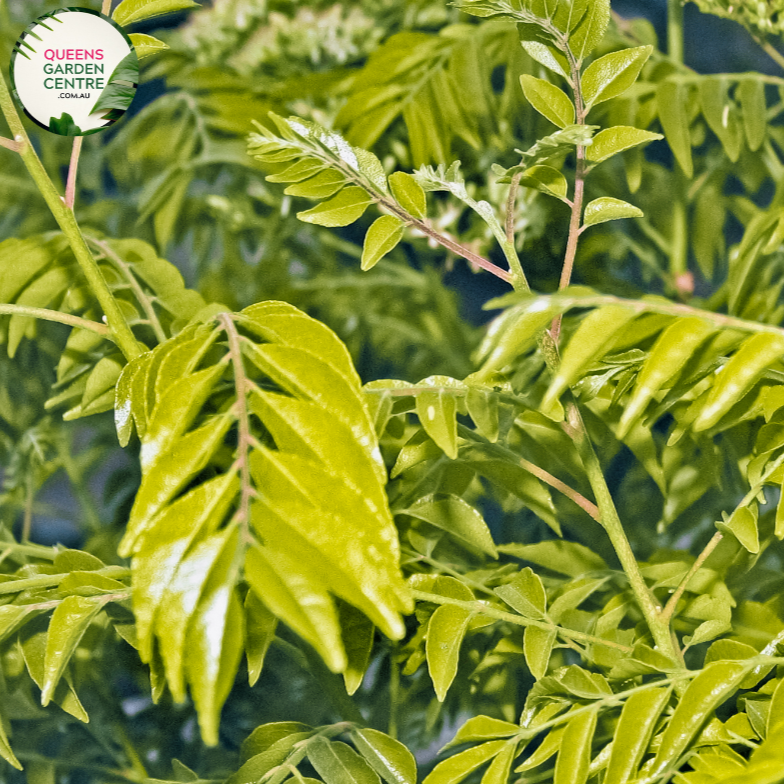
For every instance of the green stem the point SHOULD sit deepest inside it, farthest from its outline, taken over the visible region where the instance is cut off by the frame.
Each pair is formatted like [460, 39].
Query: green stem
[672, 603]
[55, 315]
[772, 52]
[119, 329]
[51, 580]
[675, 30]
[481, 608]
[394, 693]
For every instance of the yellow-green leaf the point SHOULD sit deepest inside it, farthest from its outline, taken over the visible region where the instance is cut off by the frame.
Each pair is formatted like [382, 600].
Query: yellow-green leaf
[437, 413]
[574, 756]
[147, 45]
[387, 756]
[613, 74]
[130, 11]
[606, 208]
[672, 100]
[408, 194]
[445, 633]
[260, 626]
[341, 210]
[613, 140]
[538, 647]
[550, 101]
[455, 769]
[382, 237]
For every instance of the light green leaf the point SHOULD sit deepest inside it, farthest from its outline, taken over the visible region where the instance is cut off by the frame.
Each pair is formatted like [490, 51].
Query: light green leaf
[254, 769]
[338, 763]
[592, 338]
[387, 756]
[547, 180]
[752, 101]
[382, 236]
[445, 632]
[483, 728]
[708, 690]
[588, 22]
[613, 74]
[214, 639]
[437, 412]
[548, 56]
[635, 728]
[482, 405]
[574, 756]
[455, 769]
[341, 210]
[147, 45]
[357, 632]
[260, 627]
[121, 86]
[737, 377]
[672, 100]
[549, 746]
[130, 11]
[266, 736]
[324, 184]
[568, 558]
[605, 208]
[743, 525]
[669, 355]
[457, 517]
[613, 140]
[537, 647]
[526, 594]
[550, 101]
[299, 171]
[69, 623]
[408, 194]
[5, 749]
[500, 768]
[720, 114]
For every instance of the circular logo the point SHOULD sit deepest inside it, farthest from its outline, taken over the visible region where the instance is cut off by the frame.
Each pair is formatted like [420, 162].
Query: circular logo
[74, 71]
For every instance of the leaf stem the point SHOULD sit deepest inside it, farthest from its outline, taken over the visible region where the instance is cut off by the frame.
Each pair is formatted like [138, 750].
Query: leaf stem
[57, 316]
[106, 7]
[675, 30]
[480, 608]
[70, 188]
[772, 52]
[511, 201]
[118, 326]
[669, 608]
[9, 144]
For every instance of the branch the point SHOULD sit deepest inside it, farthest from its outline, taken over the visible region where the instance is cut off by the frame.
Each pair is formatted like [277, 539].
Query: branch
[70, 188]
[10, 144]
[56, 315]
[669, 608]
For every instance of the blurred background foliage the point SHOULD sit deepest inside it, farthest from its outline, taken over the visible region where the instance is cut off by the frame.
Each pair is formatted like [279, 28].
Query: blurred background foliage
[419, 83]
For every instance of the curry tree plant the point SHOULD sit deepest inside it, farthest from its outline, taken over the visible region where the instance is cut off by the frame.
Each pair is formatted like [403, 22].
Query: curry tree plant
[443, 555]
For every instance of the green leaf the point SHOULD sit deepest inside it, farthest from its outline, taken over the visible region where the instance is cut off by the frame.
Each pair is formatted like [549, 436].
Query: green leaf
[408, 194]
[547, 180]
[214, 639]
[752, 101]
[482, 405]
[669, 355]
[387, 756]
[457, 517]
[5, 749]
[260, 627]
[736, 378]
[338, 763]
[720, 114]
[613, 74]
[549, 746]
[537, 647]
[613, 140]
[381, 238]
[500, 768]
[357, 633]
[592, 338]
[117, 94]
[445, 632]
[568, 558]
[255, 768]
[574, 756]
[69, 623]
[324, 184]
[672, 100]
[130, 11]
[341, 210]
[147, 45]
[633, 733]
[743, 525]
[548, 56]
[437, 412]
[548, 100]
[707, 691]
[455, 769]
[266, 736]
[605, 208]
[483, 728]
[526, 594]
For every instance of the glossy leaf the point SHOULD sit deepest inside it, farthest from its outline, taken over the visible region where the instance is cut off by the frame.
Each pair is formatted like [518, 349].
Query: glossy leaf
[500, 768]
[482, 407]
[382, 237]
[613, 140]
[752, 101]
[260, 626]
[341, 210]
[613, 74]
[550, 101]
[606, 208]
[708, 690]
[445, 633]
[548, 56]
[738, 376]
[547, 180]
[588, 22]
[635, 728]
[743, 524]
[147, 45]
[338, 763]
[129, 11]
[568, 558]
[387, 756]
[483, 728]
[324, 184]
[437, 413]
[455, 769]
[574, 756]
[409, 194]
[5, 749]
[357, 633]
[538, 647]
[526, 594]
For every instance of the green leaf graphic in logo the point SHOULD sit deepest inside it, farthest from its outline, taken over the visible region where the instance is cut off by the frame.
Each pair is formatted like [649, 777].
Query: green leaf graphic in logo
[120, 90]
[64, 125]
